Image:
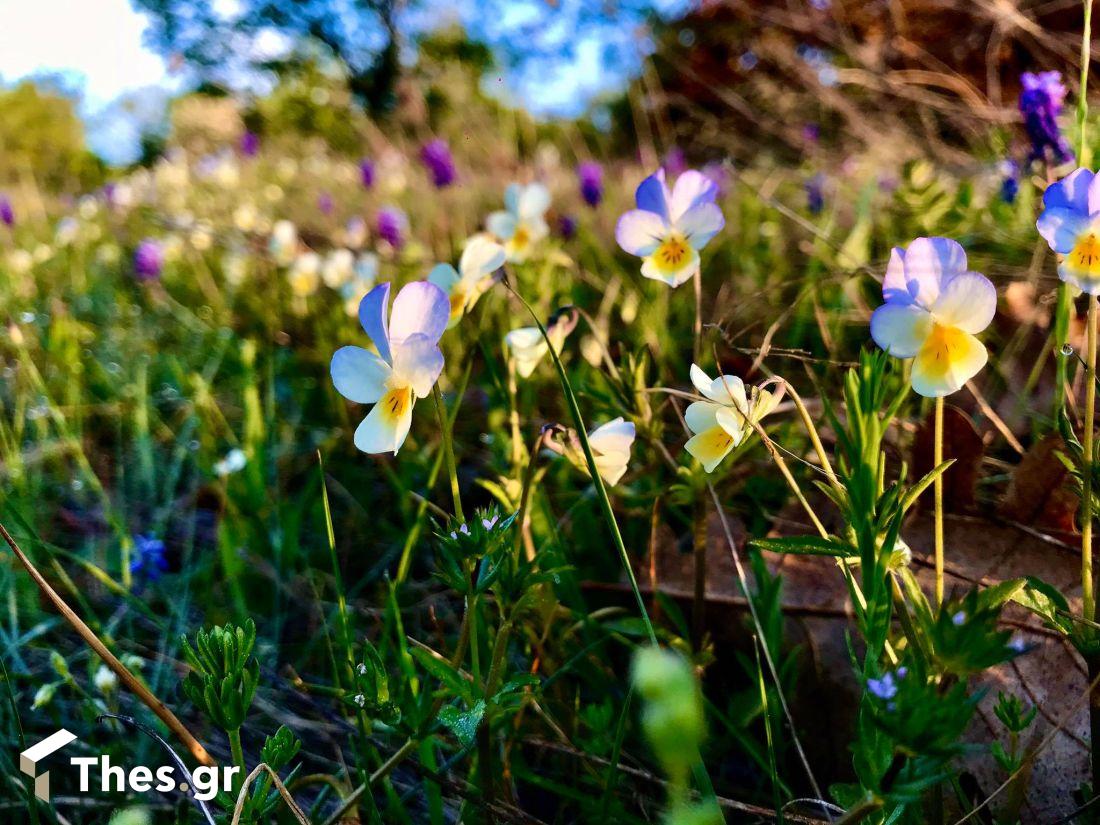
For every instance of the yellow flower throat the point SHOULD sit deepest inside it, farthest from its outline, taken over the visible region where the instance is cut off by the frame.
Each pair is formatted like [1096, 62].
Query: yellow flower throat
[671, 253]
[1085, 257]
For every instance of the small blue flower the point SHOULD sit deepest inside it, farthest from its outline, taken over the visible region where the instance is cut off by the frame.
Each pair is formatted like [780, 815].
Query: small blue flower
[148, 260]
[959, 619]
[590, 175]
[815, 194]
[366, 173]
[885, 688]
[148, 558]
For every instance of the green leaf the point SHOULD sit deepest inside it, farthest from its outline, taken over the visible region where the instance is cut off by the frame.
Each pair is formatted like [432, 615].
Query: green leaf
[807, 546]
[442, 670]
[463, 724]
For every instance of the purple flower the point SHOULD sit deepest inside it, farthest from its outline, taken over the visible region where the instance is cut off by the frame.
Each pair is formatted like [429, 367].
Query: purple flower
[148, 559]
[718, 174]
[815, 194]
[436, 156]
[590, 175]
[391, 224]
[7, 214]
[148, 260]
[325, 203]
[366, 173]
[811, 133]
[1041, 103]
[1010, 184]
[675, 162]
[567, 226]
[250, 144]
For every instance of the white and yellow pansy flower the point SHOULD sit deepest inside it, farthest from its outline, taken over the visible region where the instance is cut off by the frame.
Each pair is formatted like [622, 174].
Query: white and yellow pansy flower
[406, 367]
[522, 223]
[480, 260]
[726, 418]
[526, 346]
[670, 227]
[934, 309]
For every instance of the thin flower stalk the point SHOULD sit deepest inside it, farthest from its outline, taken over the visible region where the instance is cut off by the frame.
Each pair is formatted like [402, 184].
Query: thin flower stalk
[937, 494]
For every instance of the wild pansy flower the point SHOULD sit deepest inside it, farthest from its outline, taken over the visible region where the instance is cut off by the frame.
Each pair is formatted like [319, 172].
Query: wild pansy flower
[366, 173]
[283, 244]
[339, 268]
[406, 367]
[305, 274]
[148, 260]
[480, 260]
[1041, 103]
[436, 156]
[1070, 223]
[7, 212]
[726, 418]
[590, 176]
[526, 346]
[391, 225]
[934, 309]
[365, 274]
[610, 445]
[669, 228]
[148, 558]
[522, 223]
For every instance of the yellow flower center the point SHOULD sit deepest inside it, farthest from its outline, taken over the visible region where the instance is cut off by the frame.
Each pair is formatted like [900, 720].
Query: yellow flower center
[943, 347]
[458, 302]
[672, 253]
[521, 238]
[396, 402]
[1085, 257]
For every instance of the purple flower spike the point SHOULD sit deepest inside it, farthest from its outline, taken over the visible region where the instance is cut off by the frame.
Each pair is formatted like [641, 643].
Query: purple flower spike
[148, 260]
[7, 214]
[436, 156]
[250, 144]
[1041, 104]
[815, 194]
[567, 226]
[148, 559]
[590, 175]
[325, 203]
[391, 225]
[366, 173]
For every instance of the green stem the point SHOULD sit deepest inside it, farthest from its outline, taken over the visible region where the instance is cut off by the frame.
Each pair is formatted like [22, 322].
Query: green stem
[448, 451]
[1083, 153]
[593, 471]
[1088, 597]
[937, 487]
[238, 758]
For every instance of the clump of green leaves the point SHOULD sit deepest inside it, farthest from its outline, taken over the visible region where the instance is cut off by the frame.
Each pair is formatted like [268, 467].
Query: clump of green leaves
[224, 673]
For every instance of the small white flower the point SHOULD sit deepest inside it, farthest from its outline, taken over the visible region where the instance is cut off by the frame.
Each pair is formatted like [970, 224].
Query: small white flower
[522, 223]
[234, 461]
[339, 268]
[105, 680]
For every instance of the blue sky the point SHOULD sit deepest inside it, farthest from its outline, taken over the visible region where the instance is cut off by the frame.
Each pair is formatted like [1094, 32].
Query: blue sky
[96, 47]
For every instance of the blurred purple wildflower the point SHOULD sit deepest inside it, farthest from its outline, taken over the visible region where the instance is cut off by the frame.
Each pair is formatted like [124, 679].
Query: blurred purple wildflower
[325, 203]
[567, 226]
[811, 133]
[250, 144]
[1010, 183]
[718, 174]
[1040, 104]
[366, 172]
[390, 225]
[7, 214]
[148, 559]
[675, 162]
[590, 175]
[815, 193]
[885, 688]
[436, 156]
[148, 260]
